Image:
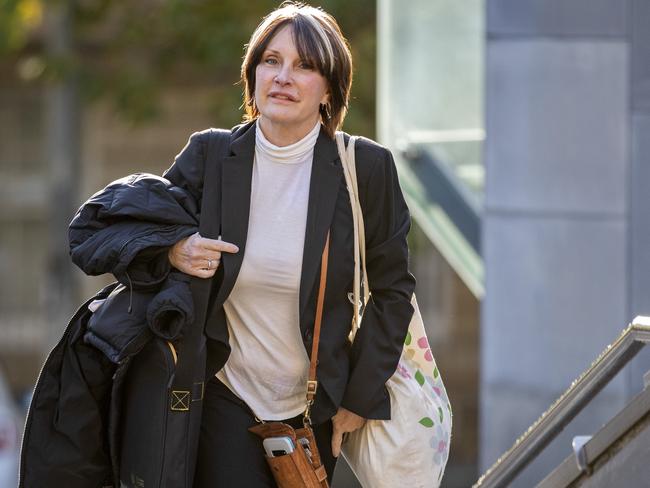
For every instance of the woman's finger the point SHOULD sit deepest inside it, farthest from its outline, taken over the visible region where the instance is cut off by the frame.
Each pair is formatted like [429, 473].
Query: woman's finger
[337, 438]
[213, 255]
[206, 262]
[201, 270]
[206, 273]
[201, 273]
[217, 245]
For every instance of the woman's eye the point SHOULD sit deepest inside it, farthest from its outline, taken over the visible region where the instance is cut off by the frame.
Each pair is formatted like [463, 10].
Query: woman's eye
[271, 61]
[305, 65]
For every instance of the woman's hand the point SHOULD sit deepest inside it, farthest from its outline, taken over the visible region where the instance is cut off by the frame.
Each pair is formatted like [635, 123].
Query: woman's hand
[343, 422]
[199, 256]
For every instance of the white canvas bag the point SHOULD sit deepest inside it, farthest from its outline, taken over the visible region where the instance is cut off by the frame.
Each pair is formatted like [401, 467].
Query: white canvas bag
[410, 449]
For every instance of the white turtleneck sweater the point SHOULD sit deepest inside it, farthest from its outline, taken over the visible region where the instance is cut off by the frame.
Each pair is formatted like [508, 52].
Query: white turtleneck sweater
[268, 365]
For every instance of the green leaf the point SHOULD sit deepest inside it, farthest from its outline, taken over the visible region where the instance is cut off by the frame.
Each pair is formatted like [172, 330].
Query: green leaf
[407, 341]
[440, 414]
[427, 422]
[419, 377]
[436, 373]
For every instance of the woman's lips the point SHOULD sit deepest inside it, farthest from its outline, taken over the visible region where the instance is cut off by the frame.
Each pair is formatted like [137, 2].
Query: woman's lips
[285, 97]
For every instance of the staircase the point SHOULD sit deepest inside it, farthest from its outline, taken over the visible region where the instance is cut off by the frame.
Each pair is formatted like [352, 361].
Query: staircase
[618, 455]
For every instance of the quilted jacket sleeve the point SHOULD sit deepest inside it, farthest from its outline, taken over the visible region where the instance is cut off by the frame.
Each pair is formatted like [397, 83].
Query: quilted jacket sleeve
[378, 344]
[123, 228]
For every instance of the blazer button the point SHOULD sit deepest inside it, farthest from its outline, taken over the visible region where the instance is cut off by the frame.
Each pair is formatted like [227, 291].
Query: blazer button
[308, 335]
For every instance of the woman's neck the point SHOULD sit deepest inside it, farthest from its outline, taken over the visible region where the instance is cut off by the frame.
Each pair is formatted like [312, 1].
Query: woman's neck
[284, 135]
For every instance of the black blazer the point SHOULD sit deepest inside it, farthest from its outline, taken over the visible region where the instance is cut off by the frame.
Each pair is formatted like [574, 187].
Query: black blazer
[351, 376]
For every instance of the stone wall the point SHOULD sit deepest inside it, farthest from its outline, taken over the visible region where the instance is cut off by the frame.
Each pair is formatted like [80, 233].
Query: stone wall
[565, 231]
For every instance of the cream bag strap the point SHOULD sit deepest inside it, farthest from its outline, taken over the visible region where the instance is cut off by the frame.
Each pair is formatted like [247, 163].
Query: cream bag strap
[360, 274]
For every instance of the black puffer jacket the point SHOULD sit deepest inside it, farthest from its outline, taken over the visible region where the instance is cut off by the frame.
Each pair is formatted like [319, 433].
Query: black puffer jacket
[119, 228]
[125, 229]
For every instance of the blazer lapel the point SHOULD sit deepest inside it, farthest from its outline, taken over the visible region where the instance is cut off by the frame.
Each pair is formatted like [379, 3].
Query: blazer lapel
[237, 172]
[326, 176]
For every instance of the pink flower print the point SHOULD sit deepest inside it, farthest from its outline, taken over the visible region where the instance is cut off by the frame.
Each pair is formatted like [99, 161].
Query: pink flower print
[442, 446]
[438, 389]
[423, 343]
[403, 372]
[441, 451]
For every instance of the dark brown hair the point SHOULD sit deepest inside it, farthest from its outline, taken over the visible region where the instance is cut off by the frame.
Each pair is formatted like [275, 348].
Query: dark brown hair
[319, 42]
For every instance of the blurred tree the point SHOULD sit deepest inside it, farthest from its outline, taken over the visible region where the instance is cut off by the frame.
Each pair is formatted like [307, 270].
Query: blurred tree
[129, 51]
[17, 19]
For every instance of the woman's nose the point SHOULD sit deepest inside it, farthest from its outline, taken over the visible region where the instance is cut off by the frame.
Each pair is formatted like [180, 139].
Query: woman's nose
[284, 75]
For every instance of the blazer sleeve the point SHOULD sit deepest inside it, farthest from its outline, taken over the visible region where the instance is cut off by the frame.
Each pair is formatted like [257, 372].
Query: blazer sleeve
[379, 341]
[188, 167]
[185, 172]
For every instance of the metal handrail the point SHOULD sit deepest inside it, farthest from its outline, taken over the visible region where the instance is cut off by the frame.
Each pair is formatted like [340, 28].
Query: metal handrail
[565, 408]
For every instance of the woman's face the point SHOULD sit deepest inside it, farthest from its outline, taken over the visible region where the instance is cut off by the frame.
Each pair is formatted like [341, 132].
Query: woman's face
[288, 92]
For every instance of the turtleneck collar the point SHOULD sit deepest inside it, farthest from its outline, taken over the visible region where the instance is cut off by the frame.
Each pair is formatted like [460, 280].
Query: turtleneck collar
[294, 153]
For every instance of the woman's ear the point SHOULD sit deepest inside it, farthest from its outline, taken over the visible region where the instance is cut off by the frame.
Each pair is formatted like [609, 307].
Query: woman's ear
[326, 99]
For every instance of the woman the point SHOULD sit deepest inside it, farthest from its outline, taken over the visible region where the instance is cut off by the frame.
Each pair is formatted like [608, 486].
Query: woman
[283, 190]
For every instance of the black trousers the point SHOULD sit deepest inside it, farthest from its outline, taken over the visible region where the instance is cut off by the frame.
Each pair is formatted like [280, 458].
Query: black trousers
[232, 457]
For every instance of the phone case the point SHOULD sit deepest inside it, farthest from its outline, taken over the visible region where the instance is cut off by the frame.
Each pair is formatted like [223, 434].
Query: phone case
[297, 469]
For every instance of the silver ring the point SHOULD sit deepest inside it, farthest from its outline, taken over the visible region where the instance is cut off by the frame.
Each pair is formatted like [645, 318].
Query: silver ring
[209, 263]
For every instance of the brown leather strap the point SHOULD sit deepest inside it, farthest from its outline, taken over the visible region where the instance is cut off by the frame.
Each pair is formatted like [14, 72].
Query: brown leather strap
[311, 383]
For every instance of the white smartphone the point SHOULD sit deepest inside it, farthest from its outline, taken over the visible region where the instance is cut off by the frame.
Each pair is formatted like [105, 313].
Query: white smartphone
[304, 442]
[278, 446]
